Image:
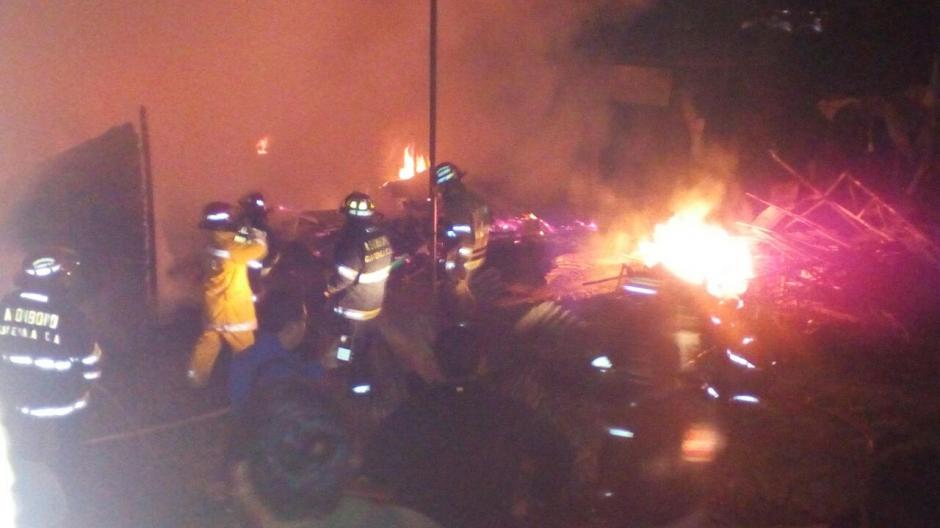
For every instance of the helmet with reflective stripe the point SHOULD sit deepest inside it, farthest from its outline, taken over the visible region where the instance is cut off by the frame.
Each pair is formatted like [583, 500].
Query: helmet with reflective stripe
[358, 205]
[51, 263]
[218, 216]
[447, 172]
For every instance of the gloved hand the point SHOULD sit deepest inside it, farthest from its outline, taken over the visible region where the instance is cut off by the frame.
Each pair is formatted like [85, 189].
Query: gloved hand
[248, 234]
[257, 234]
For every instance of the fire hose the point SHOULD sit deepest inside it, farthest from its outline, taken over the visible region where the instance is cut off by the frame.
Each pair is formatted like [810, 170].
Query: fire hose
[153, 429]
[159, 428]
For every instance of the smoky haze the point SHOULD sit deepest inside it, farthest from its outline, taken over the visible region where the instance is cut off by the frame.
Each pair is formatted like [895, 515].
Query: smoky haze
[339, 87]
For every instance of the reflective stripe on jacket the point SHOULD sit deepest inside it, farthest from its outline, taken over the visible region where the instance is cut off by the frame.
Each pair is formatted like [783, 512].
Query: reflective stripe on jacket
[467, 224]
[47, 354]
[363, 262]
[357, 315]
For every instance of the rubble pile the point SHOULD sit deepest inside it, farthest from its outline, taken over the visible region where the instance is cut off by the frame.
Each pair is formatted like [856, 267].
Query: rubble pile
[841, 255]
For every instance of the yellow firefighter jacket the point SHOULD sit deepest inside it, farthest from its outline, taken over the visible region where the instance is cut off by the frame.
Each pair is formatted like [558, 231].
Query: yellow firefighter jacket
[228, 302]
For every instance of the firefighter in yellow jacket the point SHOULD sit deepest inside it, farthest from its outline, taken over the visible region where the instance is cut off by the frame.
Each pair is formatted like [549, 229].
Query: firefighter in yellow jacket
[228, 309]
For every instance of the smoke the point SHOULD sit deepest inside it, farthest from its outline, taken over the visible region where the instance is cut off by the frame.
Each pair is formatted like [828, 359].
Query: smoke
[339, 87]
[521, 106]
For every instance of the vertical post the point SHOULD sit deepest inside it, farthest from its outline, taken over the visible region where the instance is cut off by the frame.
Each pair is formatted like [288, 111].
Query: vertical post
[432, 145]
[150, 246]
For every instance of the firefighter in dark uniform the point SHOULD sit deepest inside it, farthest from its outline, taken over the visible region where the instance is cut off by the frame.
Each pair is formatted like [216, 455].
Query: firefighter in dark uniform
[362, 263]
[465, 226]
[48, 357]
[254, 215]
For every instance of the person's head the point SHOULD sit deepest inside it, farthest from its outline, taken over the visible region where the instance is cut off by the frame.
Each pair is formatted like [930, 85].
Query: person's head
[218, 216]
[50, 268]
[294, 455]
[459, 351]
[255, 207]
[284, 313]
[358, 207]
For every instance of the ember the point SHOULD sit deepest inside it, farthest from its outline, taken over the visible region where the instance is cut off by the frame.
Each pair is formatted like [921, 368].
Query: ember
[700, 253]
[412, 164]
[262, 146]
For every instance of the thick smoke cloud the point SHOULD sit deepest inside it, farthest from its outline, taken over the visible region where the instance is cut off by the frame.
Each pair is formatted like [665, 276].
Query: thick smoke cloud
[339, 86]
[520, 105]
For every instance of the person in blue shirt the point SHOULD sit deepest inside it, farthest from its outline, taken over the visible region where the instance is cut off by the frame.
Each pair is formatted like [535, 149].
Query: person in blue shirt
[273, 357]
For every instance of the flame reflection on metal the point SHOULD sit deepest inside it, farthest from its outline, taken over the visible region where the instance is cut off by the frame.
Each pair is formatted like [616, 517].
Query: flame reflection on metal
[620, 432]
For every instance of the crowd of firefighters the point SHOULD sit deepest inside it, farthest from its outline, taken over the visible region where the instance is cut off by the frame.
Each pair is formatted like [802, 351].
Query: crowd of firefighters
[241, 252]
[50, 359]
[291, 452]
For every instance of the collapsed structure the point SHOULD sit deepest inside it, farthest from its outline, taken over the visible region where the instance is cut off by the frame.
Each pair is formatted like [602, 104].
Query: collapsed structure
[826, 255]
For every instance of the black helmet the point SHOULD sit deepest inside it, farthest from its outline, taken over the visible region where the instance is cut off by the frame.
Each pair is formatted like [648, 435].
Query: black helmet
[218, 216]
[447, 172]
[255, 209]
[51, 265]
[253, 203]
[358, 205]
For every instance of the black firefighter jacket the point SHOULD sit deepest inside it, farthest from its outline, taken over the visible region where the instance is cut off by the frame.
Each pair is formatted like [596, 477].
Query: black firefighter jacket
[47, 354]
[363, 261]
[467, 221]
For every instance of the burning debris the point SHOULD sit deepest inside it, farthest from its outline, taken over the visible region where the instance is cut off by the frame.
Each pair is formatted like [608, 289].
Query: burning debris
[411, 164]
[700, 253]
[824, 257]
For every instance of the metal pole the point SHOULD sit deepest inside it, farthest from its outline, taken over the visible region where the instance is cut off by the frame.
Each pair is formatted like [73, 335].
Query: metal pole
[150, 244]
[432, 145]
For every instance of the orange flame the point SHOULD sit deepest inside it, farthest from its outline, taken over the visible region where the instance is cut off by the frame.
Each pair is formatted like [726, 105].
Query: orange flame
[412, 164]
[701, 443]
[262, 146]
[700, 253]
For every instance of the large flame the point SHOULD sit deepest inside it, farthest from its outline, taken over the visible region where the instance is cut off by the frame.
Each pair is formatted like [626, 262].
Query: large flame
[412, 164]
[700, 253]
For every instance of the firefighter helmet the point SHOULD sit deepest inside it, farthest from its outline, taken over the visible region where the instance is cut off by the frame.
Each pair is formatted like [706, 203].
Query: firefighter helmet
[255, 211]
[253, 203]
[51, 263]
[447, 172]
[358, 205]
[218, 216]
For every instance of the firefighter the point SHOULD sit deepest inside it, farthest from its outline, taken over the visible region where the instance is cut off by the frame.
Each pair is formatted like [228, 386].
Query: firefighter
[255, 211]
[362, 263]
[48, 356]
[465, 221]
[228, 309]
